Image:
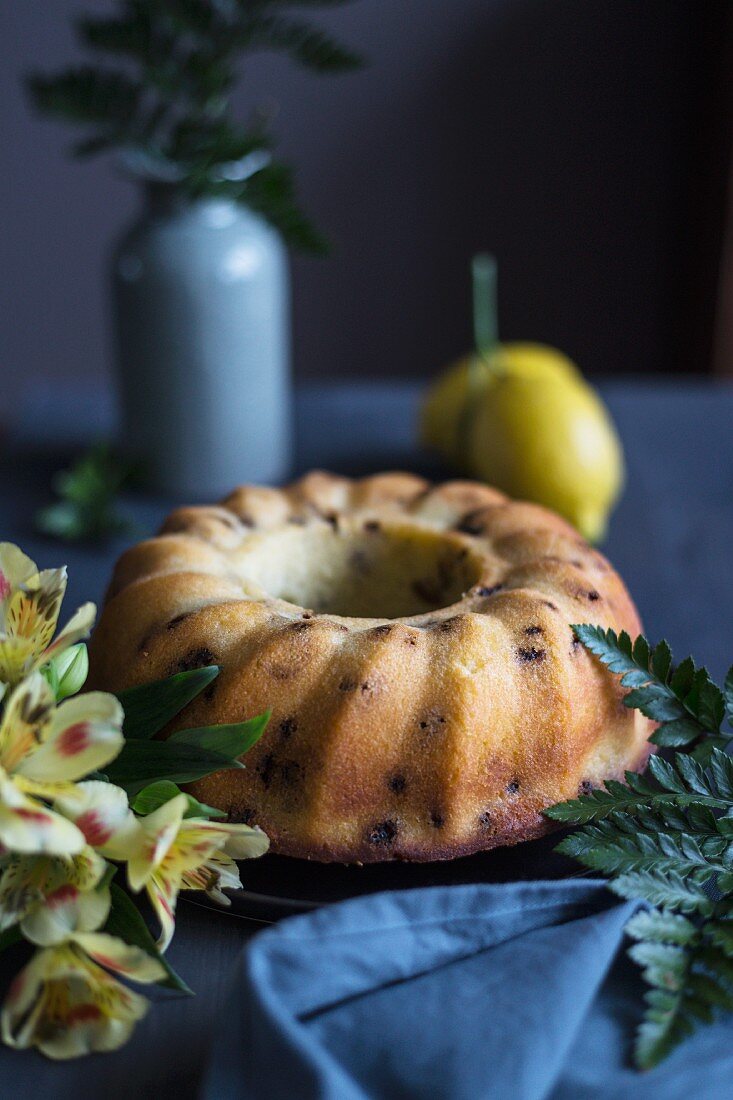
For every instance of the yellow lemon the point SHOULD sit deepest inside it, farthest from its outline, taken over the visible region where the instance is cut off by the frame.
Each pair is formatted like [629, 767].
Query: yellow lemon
[527, 422]
[446, 412]
[551, 440]
[443, 407]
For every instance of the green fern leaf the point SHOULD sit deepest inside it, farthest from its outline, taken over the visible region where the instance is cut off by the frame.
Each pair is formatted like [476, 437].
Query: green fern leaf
[721, 771]
[614, 650]
[676, 733]
[683, 677]
[684, 700]
[694, 775]
[667, 776]
[728, 693]
[662, 964]
[667, 838]
[615, 847]
[132, 35]
[665, 1026]
[89, 96]
[310, 46]
[271, 191]
[666, 889]
[710, 991]
[180, 60]
[661, 661]
[661, 926]
[720, 933]
[594, 806]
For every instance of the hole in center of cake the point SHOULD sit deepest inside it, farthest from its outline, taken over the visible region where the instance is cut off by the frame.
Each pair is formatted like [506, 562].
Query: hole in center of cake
[359, 570]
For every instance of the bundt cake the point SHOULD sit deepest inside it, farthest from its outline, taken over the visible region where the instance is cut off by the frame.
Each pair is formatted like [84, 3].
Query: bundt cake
[428, 695]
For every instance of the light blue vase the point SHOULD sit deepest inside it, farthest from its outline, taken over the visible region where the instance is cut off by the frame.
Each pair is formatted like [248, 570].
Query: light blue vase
[202, 312]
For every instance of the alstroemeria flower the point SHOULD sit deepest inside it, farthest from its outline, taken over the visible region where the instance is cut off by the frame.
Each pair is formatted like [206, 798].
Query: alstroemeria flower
[30, 601]
[65, 1004]
[54, 897]
[44, 748]
[178, 853]
[102, 812]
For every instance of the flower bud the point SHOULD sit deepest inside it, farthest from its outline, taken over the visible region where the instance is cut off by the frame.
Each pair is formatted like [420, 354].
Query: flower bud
[68, 671]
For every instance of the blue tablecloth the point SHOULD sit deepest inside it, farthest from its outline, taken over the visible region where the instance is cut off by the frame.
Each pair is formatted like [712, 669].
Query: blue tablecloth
[671, 539]
[510, 992]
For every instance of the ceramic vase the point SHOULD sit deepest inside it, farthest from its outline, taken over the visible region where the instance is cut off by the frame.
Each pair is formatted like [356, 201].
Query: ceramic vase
[202, 322]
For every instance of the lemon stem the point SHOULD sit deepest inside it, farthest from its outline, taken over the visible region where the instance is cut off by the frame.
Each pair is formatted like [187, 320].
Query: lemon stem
[486, 339]
[485, 308]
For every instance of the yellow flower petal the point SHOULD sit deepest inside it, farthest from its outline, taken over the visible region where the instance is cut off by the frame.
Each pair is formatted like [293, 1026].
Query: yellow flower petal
[220, 873]
[29, 609]
[81, 735]
[191, 848]
[25, 881]
[158, 832]
[245, 842]
[36, 614]
[16, 656]
[29, 827]
[103, 814]
[66, 1006]
[198, 838]
[226, 871]
[16, 568]
[60, 896]
[78, 627]
[20, 889]
[64, 911]
[29, 707]
[163, 894]
[122, 958]
[49, 791]
[30, 615]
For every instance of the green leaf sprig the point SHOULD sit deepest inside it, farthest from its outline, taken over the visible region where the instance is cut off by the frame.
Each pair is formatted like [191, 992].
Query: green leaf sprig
[185, 755]
[166, 105]
[87, 508]
[150, 771]
[666, 838]
[689, 707]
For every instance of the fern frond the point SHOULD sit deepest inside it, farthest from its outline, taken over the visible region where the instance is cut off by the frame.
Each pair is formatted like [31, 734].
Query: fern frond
[308, 45]
[614, 849]
[691, 981]
[88, 96]
[685, 701]
[661, 926]
[682, 785]
[172, 117]
[664, 888]
[271, 191]
[728, 695]
[666, 837]
[130, 35]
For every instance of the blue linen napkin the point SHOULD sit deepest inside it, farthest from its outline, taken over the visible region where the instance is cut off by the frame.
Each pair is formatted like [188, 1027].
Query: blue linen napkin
[515, 992]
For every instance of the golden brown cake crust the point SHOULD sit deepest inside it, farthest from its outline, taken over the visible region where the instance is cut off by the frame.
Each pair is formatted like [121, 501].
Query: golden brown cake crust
[401, 728]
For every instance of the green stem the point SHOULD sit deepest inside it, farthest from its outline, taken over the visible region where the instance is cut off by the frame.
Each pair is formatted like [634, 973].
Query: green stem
[485, 307]
[486, 341]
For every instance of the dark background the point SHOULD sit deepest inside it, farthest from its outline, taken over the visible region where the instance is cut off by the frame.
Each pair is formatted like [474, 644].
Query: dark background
[586, 142]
